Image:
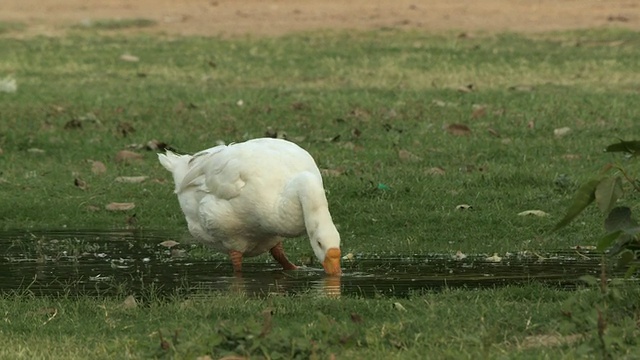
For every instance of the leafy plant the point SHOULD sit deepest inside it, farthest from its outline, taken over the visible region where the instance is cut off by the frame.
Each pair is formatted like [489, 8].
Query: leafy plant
[622, 230]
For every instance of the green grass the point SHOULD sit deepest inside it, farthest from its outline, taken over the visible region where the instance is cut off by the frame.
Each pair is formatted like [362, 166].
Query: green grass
[399, 90]
[454, 324]
[117, 24]
[11, 26]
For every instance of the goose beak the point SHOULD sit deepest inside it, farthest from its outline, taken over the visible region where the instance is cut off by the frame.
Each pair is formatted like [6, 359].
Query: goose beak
[331, 262]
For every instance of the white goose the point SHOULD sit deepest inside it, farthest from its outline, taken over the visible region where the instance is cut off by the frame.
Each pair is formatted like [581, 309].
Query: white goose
[244, 198]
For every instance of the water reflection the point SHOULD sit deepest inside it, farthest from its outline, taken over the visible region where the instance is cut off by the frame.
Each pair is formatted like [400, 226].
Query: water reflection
[125, 262]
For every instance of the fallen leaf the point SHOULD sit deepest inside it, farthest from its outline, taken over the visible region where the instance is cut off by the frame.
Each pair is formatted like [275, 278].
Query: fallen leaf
[73, 124]
[35, 151]
[114, 206]
[169, 243]
[398, 306]
[531, 124]
[571, 156]
[8, 85]
[240, 102]
[124, 128]
[464, 207]
[466, 88]
[406, 155]
[129, 58]
[356, 318]
[129, 303]
[98, 167]
[154, 145]
[478, 111]
[348, 257]
[331, 172]
[459, 255]
[435, 171]
[80, 184]
[131, 179]
[458, 129]
[493, 132]
[128, 156]
[494, 258]
[560, 132]
[539, 213]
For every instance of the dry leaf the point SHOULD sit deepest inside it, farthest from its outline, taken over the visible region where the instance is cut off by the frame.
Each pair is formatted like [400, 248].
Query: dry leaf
[129, 303]
[494, 258]
[153, 145]
[398, 306]
[571, 156]
[98, 167]
[458, 129]
[35, 151]
[129, 58]
[131, 179]
[459, 255]
[73, 124]
[114, 206]
[539, 213]
[169, 243]
[466, 88]
[80, 184]
[128, 156]
[531, 124]
[356, 318]
[560, 132]
[435, 171]
[348, 257]
[493, 132]
[478, 111]
[464, 207]
[331, 172]
[124, 128]
[406, 155]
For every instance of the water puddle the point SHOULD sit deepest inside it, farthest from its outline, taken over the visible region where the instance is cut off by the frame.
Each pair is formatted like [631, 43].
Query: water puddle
[125, 262]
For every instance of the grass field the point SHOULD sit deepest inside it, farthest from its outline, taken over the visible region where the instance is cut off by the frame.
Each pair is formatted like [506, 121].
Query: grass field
[375, 109]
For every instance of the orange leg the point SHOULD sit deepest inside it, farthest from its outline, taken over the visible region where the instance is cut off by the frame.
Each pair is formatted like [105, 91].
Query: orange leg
[236, 260]
[278, 253]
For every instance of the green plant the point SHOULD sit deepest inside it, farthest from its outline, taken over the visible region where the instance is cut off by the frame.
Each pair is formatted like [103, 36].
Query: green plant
[622, 230]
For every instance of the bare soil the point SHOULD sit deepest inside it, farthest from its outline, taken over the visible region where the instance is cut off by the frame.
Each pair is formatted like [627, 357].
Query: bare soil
[278, 17]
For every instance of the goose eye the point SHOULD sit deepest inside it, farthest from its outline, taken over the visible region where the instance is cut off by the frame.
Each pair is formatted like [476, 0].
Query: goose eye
[319, 244]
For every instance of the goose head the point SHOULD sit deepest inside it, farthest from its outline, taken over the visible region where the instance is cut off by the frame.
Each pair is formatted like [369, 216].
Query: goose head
[326, 246]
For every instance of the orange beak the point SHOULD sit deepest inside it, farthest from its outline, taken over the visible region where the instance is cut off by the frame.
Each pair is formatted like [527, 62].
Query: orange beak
[331, 262]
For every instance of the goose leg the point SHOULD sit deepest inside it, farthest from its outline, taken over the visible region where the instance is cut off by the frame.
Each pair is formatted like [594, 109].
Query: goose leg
[236, 260]
[278, 253]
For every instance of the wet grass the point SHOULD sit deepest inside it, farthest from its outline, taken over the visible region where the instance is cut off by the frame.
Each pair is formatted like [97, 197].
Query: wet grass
[371, 107]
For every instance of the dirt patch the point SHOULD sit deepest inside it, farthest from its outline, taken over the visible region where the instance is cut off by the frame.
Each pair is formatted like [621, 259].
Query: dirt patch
[277, 17]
